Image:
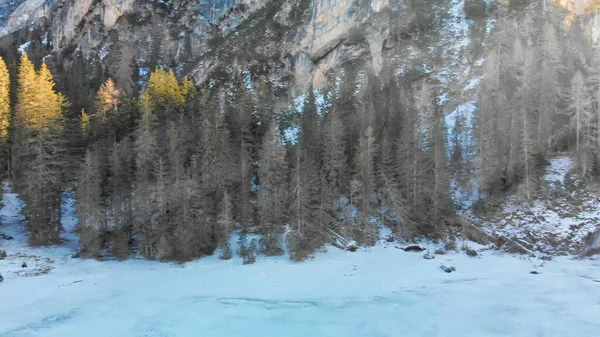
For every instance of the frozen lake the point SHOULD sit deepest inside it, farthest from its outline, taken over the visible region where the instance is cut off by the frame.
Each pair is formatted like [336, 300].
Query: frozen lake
[384, 292]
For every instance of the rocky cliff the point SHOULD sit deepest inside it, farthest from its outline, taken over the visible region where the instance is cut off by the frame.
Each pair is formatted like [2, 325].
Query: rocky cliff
[294, 41]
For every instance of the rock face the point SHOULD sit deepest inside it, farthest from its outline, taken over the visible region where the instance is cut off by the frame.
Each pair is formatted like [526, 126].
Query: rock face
[20, 13]
[319, 34]
[6, 9]
[297, 41]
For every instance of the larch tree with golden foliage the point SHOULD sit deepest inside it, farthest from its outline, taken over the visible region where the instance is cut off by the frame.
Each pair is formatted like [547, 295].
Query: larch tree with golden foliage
[41, 150]
[164, 94]
[4, 112]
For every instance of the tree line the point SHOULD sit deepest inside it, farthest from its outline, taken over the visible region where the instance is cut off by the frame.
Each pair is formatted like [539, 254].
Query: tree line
[539, 95]
[172, 174]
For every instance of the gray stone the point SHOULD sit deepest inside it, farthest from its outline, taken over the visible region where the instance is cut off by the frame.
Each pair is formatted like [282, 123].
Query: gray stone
[429, 256]
[413, 248]
[448, 269]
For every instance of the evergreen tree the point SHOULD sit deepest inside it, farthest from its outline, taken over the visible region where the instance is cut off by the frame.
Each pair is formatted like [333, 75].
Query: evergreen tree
[226, 225]
[579, 112]
[310, 138]
[272, 192]
[119, 191]
[90, 205]
[304, 209]
[364, 181]
[549, 87]
[143, 203]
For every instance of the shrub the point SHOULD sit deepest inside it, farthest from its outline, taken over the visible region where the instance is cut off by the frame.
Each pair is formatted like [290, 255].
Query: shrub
[226, 255]
[300, 247]
[469, 251]
[249, 253]
[450, 245]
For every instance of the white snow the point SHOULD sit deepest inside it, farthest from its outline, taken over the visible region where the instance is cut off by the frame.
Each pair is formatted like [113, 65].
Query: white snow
[560, 220]
[558, 169]
[381, 291]
[290, 135]
[104, 52]
[23, 48]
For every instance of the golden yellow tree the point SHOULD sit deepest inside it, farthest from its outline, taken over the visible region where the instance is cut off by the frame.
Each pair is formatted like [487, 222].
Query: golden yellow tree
[26, 100]
[40, 150]
[164, 94]
[4, 103]
[107, 99]
[84, 122]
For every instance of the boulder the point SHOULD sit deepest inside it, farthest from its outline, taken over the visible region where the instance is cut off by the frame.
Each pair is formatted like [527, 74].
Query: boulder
[471, 252]
[24, 265]
[1, 278]
[534, 272]
[429, 256]
[6, 237]
[448, 269]
[413, 248]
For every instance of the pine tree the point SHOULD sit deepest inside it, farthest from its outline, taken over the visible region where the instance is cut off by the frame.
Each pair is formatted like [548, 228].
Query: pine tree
[549, 87]
[526, 106]
[306, 235]
[364, 168]
[272, 192]
[90, 205]
[245, 147]
[226, 225]
[334, 156]
[594, 84]
[364, 183]
[489, 132]
[579, 109]
[146, 154]
[119, 190]
[310, 138]
[440, 208]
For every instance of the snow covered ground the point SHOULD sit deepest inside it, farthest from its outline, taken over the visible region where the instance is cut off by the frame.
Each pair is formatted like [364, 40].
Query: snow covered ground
[382, 291]
[560, 220]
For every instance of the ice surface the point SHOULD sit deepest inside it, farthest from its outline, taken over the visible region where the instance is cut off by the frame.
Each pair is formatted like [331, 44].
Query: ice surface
[381, 292]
